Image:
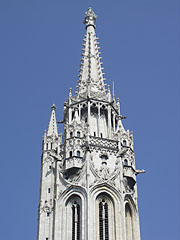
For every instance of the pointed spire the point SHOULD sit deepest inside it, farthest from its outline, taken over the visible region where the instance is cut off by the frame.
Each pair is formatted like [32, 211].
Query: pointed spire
[91, 80]
[52, 129]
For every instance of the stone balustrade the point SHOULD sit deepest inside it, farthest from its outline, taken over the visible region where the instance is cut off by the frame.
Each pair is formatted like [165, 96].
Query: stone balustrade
[73, 162]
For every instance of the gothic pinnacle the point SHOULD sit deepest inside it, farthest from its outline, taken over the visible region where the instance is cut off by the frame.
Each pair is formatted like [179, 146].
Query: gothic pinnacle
[52, 129]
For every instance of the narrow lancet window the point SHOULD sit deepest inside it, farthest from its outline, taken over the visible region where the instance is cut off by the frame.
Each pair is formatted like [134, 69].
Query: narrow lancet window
[125, 162]
[75, 221]
[124, 143]
[129, 225]
[78, 154]
[103, 221]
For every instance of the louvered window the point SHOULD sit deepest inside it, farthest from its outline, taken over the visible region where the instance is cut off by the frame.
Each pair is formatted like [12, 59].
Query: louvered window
[103, 221]
[75, 221]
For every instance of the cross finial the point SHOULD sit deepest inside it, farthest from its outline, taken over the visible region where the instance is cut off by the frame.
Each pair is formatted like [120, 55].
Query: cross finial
[53, 107]
[90, 18]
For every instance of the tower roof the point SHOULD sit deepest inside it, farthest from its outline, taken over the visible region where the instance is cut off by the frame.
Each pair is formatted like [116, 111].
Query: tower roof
[91, 80]
[52, 129]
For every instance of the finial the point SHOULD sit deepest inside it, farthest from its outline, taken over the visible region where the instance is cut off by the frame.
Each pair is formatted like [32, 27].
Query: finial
[90, 18]
[70, 92]
[118, 105]
[53, 107]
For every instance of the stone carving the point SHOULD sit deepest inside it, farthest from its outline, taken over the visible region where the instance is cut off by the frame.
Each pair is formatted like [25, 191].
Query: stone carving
[46, 207]
[48, 159]
[103, 174]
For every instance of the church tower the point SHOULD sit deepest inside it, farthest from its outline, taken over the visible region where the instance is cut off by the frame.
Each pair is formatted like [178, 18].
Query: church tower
[88, 174]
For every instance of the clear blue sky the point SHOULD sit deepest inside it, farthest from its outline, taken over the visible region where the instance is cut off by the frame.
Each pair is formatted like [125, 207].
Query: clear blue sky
[40, 47]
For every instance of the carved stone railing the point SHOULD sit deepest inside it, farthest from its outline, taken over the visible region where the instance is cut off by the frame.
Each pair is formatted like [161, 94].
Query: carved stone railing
[104, 142]
[73, 162]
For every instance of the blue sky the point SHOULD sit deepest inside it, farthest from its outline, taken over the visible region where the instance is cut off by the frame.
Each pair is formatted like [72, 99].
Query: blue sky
[40, 47]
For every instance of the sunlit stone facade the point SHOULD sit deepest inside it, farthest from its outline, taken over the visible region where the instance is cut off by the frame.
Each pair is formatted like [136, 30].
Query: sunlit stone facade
[88, 175]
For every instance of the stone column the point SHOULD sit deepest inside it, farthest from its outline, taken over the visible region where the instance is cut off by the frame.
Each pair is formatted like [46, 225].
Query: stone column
[109, 121]
[99, 115]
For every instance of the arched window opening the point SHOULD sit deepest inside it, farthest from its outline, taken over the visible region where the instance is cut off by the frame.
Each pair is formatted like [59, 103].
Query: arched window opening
[124, 143]
[51, 145]
[71, 134]
[75, 221]
[125, 162]
[74, 218]
[70, 154]
[101, 135]
[129, 223]
[112, 123]
[116, 124]
[72, 115]
[46, 146]
[103, 221]
[78, 154]
[84, 111]
[94, 134]
[78, 134]
[104, 113]
[94, 111]
[105, 217]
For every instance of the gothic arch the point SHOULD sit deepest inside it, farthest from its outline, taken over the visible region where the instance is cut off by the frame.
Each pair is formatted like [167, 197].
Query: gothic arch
[131, 218]
[106, 188]
[73, 209]
[71, 204]
[114, 201]
[128, 199]
[105, 217]
[129, 222]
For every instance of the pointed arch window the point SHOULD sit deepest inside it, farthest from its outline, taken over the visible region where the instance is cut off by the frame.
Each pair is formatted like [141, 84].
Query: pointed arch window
[125, 162]
[129, 222]
[105, 210]
[124, 143]
[78, 154]
[74, 218]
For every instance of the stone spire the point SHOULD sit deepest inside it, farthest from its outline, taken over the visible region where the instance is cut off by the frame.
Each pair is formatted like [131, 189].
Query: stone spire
[91, 80]
[52, 129]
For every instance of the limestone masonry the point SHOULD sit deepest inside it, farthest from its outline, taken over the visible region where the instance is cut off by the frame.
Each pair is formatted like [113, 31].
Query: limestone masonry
[88, 174]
